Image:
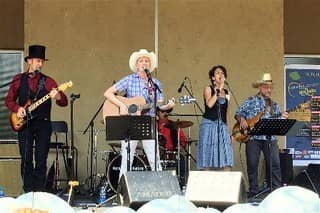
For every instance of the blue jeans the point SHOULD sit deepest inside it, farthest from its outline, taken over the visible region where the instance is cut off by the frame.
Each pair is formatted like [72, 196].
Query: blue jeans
[253, 150]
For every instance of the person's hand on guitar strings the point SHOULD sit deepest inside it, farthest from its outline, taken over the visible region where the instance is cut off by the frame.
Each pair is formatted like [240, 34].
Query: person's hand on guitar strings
[123, 109]
[243, 123]
[21, 113]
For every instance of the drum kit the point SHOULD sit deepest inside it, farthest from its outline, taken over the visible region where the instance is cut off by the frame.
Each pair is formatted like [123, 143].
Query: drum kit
[169, 158]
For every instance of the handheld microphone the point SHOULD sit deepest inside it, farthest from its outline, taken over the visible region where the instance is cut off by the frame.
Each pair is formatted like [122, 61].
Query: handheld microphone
[224, 80]
[182, 84]
[75, 96]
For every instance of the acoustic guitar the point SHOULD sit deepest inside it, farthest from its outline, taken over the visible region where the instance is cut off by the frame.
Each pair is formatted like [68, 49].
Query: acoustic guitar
[241, 135]
[135, 105]
[17, 123]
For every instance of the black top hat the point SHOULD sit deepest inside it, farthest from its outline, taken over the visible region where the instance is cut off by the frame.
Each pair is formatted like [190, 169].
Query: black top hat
[36, 51]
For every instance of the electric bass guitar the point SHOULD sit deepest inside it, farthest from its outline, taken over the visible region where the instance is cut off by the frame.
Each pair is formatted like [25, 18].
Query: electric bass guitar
[17, 123]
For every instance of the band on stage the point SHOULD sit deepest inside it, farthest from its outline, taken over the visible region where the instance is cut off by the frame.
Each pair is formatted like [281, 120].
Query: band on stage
[32, 93]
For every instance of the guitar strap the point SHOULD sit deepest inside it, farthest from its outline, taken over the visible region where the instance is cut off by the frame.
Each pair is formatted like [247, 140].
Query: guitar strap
[40, 86]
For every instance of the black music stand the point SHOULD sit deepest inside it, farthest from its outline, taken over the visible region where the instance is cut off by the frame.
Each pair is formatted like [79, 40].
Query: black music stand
[129, 127]
[269, 127]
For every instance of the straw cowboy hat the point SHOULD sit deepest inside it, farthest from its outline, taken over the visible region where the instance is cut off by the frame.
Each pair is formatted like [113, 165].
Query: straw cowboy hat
[142, 53]
[265, 79]
[36, 51]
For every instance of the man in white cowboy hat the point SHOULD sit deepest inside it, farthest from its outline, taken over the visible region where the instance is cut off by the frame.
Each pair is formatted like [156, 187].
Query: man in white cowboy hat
[33, 85]
[261, 102]
[136, 84]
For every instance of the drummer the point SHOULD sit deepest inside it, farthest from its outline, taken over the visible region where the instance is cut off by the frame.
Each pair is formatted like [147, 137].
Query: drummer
[168, 132]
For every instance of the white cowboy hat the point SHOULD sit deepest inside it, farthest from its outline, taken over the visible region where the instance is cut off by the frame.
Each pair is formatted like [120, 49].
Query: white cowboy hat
[265, 79]
[142, 53]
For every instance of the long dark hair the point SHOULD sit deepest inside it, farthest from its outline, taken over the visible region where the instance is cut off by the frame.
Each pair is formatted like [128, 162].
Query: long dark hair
[213, 70]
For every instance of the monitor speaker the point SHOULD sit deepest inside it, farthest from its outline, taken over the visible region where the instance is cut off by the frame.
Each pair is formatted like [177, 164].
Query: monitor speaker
[286, 165]
[218, 189]
[138, 187]
[309, 178]
[10, 178]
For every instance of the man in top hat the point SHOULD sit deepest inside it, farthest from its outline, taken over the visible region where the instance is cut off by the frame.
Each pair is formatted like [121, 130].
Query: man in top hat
[261, 102]
[136, 84]
[32, 85]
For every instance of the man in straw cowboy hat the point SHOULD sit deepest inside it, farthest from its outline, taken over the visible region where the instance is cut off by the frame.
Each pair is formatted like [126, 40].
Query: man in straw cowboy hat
[136, 84]
[261, 102]
[33, 85]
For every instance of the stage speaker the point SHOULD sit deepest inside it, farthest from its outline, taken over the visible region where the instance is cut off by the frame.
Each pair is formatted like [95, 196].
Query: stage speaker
[139, 187]
[309, 178]
[10, 177]
[286, 165]
[10, 160]
[218, 189]
[9, 150]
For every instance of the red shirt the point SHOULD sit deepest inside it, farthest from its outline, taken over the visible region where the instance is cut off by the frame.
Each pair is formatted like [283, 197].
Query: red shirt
[11, 99]
[165, 131]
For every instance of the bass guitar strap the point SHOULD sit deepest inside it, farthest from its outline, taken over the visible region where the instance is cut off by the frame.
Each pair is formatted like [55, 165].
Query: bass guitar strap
[40, 86]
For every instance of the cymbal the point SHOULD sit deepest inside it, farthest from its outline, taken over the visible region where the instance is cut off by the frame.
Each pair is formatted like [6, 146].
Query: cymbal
[182, 124]
[118, 145]
[191, 141]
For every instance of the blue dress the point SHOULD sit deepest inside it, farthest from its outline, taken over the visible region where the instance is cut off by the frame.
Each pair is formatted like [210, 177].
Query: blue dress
[214, 147]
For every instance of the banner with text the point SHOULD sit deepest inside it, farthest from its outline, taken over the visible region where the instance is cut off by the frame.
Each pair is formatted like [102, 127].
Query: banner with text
[302, 98]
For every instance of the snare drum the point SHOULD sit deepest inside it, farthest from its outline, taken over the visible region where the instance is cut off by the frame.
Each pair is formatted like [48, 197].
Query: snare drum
[113, 169]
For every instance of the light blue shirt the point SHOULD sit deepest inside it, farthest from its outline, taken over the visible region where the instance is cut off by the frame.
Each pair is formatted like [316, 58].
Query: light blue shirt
[134, 86]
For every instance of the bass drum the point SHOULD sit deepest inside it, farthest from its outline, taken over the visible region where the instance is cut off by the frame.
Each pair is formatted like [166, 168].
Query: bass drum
[113, 169]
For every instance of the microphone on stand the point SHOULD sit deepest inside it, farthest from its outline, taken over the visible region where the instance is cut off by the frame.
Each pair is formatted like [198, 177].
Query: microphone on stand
[33, 73]
[182, 84]
[74, 96]
[147, 72]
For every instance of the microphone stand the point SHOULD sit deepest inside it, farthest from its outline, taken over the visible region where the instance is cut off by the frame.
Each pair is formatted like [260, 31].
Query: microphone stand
[91, 126]
[235, 98]
[14, 80]
[8, 83]
[189, 92]
[71, 163]
[155, 88]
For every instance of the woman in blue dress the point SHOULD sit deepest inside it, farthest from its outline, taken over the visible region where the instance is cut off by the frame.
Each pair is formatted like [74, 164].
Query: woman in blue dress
[215, 148]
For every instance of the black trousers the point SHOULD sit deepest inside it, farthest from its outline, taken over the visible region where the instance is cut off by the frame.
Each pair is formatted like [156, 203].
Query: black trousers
[34, 142]
[253, 150]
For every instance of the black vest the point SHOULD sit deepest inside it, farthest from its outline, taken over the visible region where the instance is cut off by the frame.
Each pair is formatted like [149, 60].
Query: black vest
[25, 94]
[213, 113]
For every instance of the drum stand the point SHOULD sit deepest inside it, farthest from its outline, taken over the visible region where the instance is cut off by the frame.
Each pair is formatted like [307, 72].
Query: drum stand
[187, 162]
[178, 158]
[92, 130]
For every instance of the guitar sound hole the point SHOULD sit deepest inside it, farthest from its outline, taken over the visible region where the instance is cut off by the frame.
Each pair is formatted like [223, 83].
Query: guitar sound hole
[133, 108]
